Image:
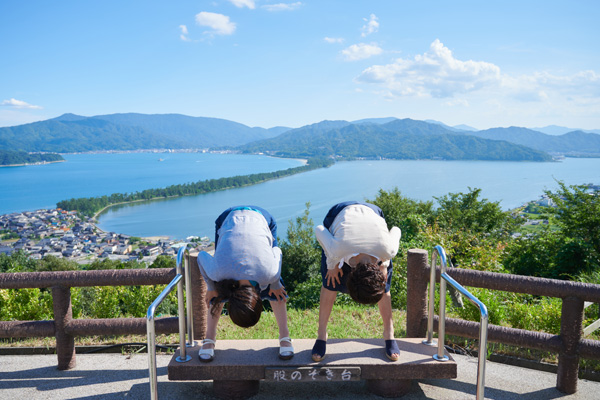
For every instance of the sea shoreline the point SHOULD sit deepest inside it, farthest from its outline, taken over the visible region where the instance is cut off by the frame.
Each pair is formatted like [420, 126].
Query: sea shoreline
[36, 163]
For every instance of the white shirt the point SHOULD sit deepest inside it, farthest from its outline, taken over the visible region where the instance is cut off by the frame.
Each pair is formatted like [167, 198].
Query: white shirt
[244, 252]
[357, 229]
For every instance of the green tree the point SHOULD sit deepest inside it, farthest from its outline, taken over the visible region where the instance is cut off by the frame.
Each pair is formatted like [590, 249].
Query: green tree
[17, 262]
[465, 211]
[164, 262]
[577, 214]
[301, 252]
[411, 216]
[568, 249]
[51, 263]
[533, 255]
[473, 231]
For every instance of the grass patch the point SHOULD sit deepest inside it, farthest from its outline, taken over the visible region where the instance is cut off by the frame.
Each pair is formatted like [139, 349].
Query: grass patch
[347, 321]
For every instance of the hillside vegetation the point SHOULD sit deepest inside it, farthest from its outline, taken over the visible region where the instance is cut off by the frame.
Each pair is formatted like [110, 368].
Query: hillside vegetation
[399, 139]
[367, 138]
[22, 157]
[71, 133]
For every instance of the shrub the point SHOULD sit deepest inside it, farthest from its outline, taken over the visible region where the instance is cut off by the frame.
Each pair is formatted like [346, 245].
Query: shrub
[25, 304]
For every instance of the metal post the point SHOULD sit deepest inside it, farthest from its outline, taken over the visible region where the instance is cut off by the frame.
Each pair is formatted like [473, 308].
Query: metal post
[150, 327]
[483, 332]
[183, 357]
[438, 251]
[483, 325]
[440, 356]
[188, 299]
[152, 354]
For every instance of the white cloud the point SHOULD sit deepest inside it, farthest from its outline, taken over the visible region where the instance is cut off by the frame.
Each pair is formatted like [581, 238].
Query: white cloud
[437, 78]
[283, 6]
[457, 103]
[184, 33]
[243, 3]
[219, 23]
[371, 25]
[333, 40]
[436, 73]
[19, 104]
[361, 51]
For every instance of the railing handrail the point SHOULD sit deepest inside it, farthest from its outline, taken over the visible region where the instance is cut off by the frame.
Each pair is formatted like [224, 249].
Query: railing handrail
[182, 254]
[594, 326]
[84, 278]
[483, 324]
[152, 335]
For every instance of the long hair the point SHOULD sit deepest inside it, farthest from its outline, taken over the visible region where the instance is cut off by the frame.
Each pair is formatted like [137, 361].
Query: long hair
[366, 283]
[244, 302]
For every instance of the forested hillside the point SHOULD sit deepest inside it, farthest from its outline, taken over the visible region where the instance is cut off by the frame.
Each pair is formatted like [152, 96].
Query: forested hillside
[367, 138]
[575, 143]
[21, 157]
[399, 139]
[71, 133]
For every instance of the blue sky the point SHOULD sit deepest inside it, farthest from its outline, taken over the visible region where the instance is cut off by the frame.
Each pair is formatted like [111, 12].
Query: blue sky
[270, 63]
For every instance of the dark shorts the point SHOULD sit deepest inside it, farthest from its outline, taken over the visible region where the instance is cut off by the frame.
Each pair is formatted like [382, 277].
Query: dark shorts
[264, 294]
[327, 222]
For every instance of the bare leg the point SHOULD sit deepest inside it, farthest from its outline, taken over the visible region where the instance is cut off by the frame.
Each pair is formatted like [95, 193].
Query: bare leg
[280, 311]
[211, 324]
[326, 301]
[385, 309]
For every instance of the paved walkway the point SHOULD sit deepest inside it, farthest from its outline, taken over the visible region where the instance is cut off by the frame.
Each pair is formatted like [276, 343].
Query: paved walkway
[116, 376]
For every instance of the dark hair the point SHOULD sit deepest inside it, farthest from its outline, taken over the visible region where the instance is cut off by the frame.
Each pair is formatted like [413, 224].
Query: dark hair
[366, 283]
[244, 303]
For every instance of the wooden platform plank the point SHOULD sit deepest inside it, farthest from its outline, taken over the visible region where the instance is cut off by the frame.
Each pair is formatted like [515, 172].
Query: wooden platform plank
[248, 360]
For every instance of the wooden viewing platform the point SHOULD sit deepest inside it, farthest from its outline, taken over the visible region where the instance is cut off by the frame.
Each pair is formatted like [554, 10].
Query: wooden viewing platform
[240, 365]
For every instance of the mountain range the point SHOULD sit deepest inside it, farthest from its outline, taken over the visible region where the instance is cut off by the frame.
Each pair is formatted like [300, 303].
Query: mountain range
[366, 138]
[398, 139]
[74, 133]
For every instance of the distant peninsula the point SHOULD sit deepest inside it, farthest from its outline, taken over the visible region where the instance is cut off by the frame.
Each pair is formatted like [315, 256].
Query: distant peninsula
[10, 158]
[93, 206]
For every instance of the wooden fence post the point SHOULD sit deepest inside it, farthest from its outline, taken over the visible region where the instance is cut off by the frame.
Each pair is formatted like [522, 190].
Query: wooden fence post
[63, 315]
[570, 334]
[416, 293]
[198, 294]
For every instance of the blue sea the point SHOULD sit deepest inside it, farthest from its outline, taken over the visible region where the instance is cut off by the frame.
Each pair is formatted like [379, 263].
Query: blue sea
[85, 175]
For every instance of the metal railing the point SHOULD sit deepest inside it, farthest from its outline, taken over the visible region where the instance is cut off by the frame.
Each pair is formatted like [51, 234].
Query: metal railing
[594, 326]
[181, 274]
[483, 325]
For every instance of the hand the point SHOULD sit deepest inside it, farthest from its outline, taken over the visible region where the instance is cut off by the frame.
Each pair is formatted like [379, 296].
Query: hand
[279, 294]
[210, 294]
[333, 276]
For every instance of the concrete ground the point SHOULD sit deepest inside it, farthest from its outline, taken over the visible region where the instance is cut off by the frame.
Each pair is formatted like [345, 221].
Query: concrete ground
[117, 376]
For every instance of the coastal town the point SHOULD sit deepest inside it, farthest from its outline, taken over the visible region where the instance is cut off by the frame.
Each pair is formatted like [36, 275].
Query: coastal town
[64, 234]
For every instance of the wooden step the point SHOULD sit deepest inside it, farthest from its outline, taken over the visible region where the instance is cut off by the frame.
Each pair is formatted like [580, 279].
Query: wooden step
[242, 364]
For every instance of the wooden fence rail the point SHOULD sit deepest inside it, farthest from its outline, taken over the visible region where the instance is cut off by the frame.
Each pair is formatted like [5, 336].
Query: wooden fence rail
[569, 344]
[65, 328]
